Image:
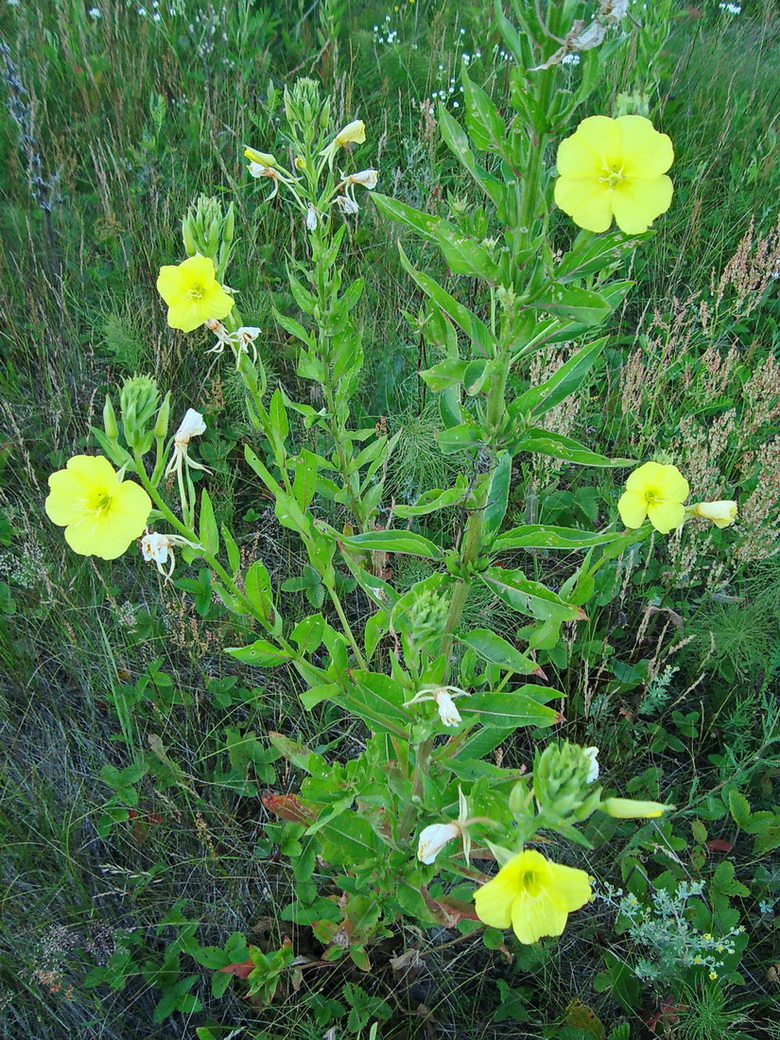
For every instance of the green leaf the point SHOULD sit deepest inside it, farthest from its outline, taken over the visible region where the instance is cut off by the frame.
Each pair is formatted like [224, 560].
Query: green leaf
[540, 536]
[208, 532]
[431, 501]
[300, 756]
[546, 443]
[290, 515]
[326, 692]
[498, 496]
[497, 650]
[739, 807]
[529, 597]
[234, 555]
[307, 467]
[581, 305]
[449, 372]
[517, 708]
[394, 541]
[458, 143]
[307, 634]
[723, 880]
[261, 653]
[278, 414]
[475, 329]
[423, 223]
[294, 328]
[565, 381]
[486, 127]
[459, 438]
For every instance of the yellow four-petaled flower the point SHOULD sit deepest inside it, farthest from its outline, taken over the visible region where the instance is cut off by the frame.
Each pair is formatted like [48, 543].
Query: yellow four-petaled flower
[614, 168]
[657, 492]
[532, 895]
[102, 515]
[193, 293]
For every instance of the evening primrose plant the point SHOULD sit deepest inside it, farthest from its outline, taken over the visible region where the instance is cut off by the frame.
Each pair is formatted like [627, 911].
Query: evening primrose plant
[413, 825]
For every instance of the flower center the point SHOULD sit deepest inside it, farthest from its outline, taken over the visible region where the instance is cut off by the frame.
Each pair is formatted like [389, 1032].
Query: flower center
[102, 503]
[530, 883]
[195, 292]
[653, 496]
[613, 175]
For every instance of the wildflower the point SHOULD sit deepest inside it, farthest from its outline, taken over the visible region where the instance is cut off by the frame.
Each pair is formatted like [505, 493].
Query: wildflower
[242, 339]
[713, 975]
[192, 425]
[158, 549]
[260, 158]
[365, 178]
[722, 514]
[657, 492]
[628, 809]
[94, 12]
[311, 218]
[442, 696]
[101, 513]
[193, 293]
[532, 894]
[347, 205]
[593, 773]
[614, 168]
[433, 839]
[352, 133]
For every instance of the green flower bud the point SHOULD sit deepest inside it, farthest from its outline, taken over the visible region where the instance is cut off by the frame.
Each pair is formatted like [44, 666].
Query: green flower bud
[138, 402]
[188, 236]
[161, 425]
[229, 225]
[563, 775]
[109, 420]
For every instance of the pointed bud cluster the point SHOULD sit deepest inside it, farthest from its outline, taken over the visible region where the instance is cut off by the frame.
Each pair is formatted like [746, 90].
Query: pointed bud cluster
[562, 781]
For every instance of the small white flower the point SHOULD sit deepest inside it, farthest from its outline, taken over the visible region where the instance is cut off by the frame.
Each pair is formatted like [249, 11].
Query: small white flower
[448, 713]
[366, 178]
[593, 772]
[433, 838]
[94, 13]
[311, 218]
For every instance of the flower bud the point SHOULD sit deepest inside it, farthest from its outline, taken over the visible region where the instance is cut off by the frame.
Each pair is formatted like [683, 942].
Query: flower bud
[138, 401]
[261, 158]
[722, 514]
[161, 424]
[229, 225]
[628, 809]
[433, 839]
[109, 420]
[188, 236]
[352, 133]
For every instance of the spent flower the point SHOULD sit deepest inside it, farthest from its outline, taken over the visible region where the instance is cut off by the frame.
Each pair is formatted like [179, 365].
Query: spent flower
[158, 549]
[722, 514]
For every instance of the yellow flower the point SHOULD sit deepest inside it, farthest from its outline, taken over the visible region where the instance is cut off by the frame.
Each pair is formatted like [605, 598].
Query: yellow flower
[722, 514]
[614, 168]
[628, 809]
[260, 158]
[657, 492]
[193, 293]
[102, 515]
[352, 133]
[532, 894]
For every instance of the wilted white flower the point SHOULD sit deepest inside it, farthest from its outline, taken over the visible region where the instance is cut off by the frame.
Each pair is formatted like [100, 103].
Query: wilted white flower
[94, 13]
[192, 425]
[347, 205]
[311, 218]
[442, 696]
[158, 549]
[593, 772]
[433, 839]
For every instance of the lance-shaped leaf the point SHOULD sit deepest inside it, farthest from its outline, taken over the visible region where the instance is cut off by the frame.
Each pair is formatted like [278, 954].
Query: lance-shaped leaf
[261, 653]
[547, 443]
[456, 140]
[474, 328]
[300, 756]
[444, 374]
[582, 305]
[540, 536]
[498, 496]
[459, 438]
[394, 541]
[564, 381]
[431, 501]
[497, 650]
[529, 597]
[515, 709]
[486, 127]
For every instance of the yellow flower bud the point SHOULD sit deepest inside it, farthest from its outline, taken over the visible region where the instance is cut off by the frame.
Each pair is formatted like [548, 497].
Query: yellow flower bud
[261, 158]
[722, 514]
[628, 809]
[352, 133]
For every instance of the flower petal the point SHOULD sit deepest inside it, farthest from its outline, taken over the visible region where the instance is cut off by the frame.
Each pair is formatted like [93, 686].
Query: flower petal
[583, 154]
[675, 486]
[92, 536]
[645, 151]
[171, 283]
[586, 201]
[632, 508]
[569, 886]
[217, 302]
[534, 917]
[130, 509]
[638, 201]
[666, 516]
[199, 269]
